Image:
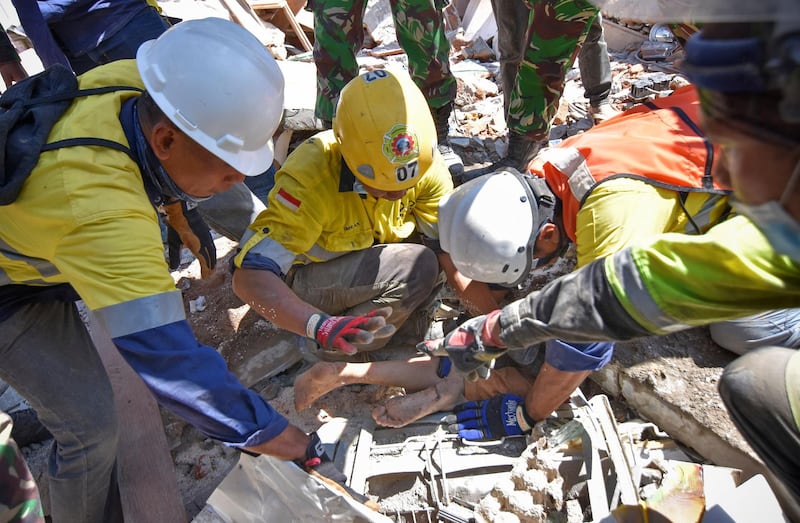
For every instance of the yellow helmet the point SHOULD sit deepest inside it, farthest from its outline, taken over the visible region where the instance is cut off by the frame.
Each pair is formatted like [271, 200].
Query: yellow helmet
[385, 130]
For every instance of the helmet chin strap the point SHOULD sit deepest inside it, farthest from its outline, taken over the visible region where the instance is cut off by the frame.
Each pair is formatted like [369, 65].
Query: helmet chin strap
[547, 208]
[563, 241]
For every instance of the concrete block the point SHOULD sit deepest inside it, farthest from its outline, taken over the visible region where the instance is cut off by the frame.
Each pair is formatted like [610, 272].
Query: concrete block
[671, 381]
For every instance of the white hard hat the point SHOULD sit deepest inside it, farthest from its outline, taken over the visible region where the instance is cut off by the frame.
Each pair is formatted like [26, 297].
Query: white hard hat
[489, 225]
[216, 82]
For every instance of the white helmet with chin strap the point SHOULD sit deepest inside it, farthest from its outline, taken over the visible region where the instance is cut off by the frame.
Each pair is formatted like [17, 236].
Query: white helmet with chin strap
[216, 82]
[489, 225]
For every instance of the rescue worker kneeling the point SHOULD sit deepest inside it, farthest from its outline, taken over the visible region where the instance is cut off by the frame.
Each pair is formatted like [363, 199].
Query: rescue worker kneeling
[341, 233]
[498, 228]
[84, 225]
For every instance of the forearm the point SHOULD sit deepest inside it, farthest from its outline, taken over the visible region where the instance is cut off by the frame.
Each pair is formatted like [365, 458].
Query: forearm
[270, 297]
[551, 388]
[289, 445]
[476, 296]
[193, 381]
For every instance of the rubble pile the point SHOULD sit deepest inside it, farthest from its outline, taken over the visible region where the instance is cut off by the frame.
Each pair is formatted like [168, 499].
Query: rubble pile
[533, 493]
[541, 481]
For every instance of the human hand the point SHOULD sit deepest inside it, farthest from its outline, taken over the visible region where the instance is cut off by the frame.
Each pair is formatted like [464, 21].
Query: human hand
[318, 463]
[500, 416]
[12, 72]
[471, 346]
[186, 227]
[347, 333]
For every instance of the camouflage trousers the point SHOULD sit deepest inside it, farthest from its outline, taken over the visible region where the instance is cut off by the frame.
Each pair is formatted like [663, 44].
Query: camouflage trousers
[539, 40]
[19, 496]
[339, 35]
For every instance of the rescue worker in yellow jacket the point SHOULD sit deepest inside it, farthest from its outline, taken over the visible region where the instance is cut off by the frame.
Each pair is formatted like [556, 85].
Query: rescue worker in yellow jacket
[351, 224]
[498, 227]
[746, 74]
[181, 122]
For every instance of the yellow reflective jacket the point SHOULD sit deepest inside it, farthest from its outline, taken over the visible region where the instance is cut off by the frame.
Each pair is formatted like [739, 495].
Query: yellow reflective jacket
[83, 216]
[315, 212]
[665, 284]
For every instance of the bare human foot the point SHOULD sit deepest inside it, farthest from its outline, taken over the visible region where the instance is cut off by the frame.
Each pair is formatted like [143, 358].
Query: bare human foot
[320, 379]
[401, 410]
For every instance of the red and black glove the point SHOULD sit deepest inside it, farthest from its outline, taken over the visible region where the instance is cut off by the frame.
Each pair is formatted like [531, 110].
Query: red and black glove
[470, 347]
[347, 333]
[319, 464]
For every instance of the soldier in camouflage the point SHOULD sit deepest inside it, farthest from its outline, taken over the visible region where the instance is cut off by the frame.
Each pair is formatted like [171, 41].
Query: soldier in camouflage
[339, 35]
[538, 42]
[19, 496]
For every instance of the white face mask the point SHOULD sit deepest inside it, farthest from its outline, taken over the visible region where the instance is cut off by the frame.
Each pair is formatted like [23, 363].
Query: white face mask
[778, 226]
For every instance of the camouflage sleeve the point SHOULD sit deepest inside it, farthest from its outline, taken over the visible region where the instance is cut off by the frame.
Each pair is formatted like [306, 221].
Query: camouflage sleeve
[19, 496]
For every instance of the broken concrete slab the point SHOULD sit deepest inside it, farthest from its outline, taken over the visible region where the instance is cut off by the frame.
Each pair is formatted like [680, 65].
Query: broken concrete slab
[672, 381]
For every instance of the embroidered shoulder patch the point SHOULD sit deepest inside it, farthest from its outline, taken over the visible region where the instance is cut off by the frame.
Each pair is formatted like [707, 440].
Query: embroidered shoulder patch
[288, 200]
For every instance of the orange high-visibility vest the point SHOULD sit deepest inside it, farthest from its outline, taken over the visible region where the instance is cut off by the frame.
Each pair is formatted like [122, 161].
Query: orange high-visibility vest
[659, 142]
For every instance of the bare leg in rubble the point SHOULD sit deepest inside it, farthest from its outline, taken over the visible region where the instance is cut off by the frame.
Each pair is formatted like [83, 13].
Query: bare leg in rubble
[402, 410]
[430, 392]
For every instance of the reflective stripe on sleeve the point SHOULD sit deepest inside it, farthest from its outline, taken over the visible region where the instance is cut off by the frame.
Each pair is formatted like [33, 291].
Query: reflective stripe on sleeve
[141, 314]
[572, 163]
[624, 278]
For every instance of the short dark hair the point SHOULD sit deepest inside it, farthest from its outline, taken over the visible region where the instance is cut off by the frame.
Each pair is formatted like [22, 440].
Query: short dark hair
[149, 112]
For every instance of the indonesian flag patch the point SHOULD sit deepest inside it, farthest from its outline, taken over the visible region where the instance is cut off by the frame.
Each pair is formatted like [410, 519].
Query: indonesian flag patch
[288, 200]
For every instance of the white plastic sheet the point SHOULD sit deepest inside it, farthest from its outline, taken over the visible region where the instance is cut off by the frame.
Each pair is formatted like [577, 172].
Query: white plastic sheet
[264, 489]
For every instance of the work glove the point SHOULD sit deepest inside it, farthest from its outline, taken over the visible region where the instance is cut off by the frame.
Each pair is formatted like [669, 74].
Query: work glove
[347, 333]
[495, 418]
[319, 464]
[186, 227]
[470, 347]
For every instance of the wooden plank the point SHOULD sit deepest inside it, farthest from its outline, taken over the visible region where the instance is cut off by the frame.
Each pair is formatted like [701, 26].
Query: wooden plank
[479, 20]
[147, 480]
[244, 15]
[282, 7]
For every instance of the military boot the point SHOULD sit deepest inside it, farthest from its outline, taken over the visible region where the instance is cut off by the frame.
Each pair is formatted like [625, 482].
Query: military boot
[441, 118]
[602, 111]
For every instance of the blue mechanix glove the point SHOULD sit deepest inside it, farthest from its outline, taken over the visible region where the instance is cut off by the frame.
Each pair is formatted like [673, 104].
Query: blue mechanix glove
[494, 418]
[346, 333]
[470, 346]
[186, 227]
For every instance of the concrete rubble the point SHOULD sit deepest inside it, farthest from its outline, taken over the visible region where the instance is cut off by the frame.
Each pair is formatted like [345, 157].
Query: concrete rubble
[650, 415]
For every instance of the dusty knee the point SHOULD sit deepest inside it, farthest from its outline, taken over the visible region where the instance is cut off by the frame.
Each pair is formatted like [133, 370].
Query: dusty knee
[421, 272]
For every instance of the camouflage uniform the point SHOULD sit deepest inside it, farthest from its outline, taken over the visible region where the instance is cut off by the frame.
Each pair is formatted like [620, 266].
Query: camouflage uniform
[554, 33]
[339, 35]
[19, 496]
